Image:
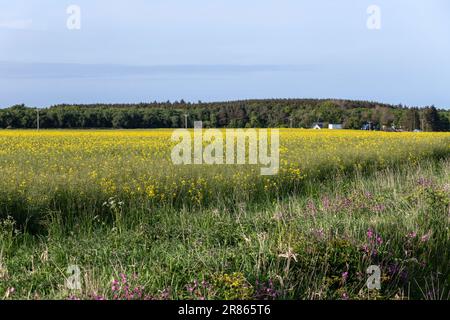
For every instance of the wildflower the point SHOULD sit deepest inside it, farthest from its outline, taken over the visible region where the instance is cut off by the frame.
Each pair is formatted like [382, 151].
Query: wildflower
[379, 240]
[346, 203]
[265, 291]
[165, 294]
[345, 276]
[425, 237]
[393, 269]
[369, 233]
[411, 235]
[326, 203]
[379, 208]
[424, 182]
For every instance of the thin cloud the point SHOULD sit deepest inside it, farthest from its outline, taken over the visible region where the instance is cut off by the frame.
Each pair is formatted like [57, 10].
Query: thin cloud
[19, 70]
[18, 24]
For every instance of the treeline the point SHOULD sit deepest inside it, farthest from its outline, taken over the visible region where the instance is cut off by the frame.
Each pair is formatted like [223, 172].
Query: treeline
[299, 113]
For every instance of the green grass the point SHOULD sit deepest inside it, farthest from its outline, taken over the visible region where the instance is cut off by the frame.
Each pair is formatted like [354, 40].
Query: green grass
[296, 247]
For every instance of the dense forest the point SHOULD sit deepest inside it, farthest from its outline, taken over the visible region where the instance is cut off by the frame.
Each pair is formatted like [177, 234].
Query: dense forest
[298, 113]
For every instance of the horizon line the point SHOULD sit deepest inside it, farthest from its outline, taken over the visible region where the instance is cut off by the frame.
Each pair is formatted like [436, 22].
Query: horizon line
[187, 101]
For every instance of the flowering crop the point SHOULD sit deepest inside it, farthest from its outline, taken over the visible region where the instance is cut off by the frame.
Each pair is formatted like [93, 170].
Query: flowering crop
[49, 169]
[140, 227]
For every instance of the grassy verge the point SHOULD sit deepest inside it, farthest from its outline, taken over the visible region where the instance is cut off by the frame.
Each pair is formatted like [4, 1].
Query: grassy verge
[315, 245]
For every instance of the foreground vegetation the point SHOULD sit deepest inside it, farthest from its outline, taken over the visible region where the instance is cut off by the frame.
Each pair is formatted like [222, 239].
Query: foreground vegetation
[138, 227]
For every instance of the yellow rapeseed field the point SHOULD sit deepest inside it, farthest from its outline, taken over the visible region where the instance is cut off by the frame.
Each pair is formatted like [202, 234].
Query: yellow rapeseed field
[112, 203]
[40, 168]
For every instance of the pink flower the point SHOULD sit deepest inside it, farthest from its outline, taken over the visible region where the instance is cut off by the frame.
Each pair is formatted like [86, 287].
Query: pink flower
[379, 240]
[190, 289]
[369, 233]
[379, 208]
[345, 276]
[412, 235]
[326, 203]
[425, 237]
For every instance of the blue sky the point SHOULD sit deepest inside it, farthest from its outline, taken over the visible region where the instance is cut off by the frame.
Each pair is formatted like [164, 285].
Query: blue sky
[141, 50]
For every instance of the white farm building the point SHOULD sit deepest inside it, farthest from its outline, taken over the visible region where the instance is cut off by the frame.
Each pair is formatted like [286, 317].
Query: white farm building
[335, 126]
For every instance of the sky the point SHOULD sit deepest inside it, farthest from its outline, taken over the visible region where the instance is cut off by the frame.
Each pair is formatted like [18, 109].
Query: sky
[217, 50]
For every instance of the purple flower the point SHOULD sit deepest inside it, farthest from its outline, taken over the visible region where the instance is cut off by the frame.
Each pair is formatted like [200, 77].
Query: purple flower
[423, 182]
[165, 294]
[412, 235]
[345, 276]
[326, 203]
[425, 237]
[379, 208]
[346, 203]
[379, 240]
[190, 289]
[266, 290]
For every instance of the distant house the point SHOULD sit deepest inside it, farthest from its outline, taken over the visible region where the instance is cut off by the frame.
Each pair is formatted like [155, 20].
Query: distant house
[390, 128]
[318, 125]
[334, 126]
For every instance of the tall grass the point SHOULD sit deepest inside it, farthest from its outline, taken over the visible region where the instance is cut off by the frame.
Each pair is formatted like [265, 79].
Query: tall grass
[315, 244]
[72, 173]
